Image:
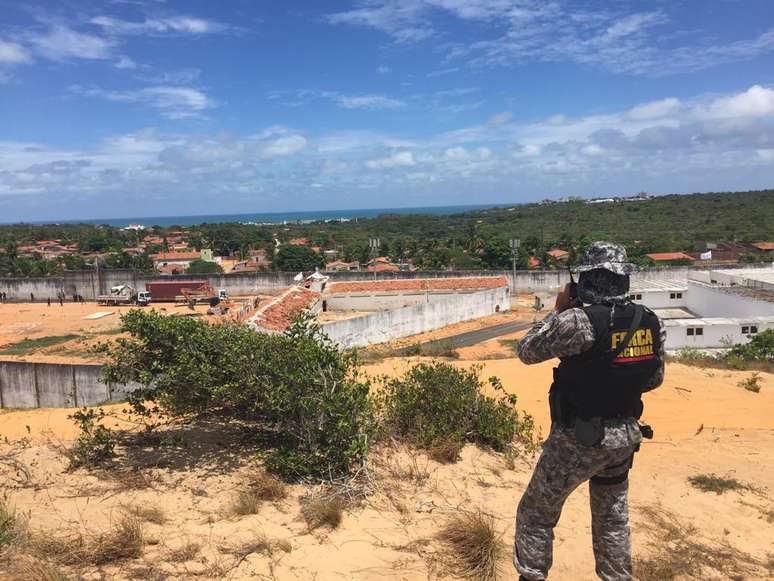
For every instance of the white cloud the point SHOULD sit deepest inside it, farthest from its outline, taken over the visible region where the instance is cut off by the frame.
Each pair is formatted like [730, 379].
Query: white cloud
[13, 53]
[383, 70]
[500, 118]
[345, 101]
[175, 24]
[397, 159]
[125, 62]
[691, 144]
[757, 101]
[61, 43]
[522, 31]
[367, 102]
[655, 109]
[283, 146]
[172, 102]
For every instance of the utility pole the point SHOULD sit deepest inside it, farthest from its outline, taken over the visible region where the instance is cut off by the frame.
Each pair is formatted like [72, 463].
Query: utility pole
[514, 244]
[373, 249]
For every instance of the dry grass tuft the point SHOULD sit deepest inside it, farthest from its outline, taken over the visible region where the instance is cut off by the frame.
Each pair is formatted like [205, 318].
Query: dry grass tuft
[322, 511]
[474, 545]
[185, 553]
[717, 484]
[29, 568]
[245, 502]
[267, 486]
[13, 528]
[123, 541]
[678, 552]
[260, 487]
[149, 513]
[445, 451]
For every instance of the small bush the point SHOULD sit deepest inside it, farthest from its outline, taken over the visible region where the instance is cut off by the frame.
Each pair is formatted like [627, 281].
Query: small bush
[437, 404]
[717, 484]
[752, 383]
[322, 511]
[475, 546]
[95, 444]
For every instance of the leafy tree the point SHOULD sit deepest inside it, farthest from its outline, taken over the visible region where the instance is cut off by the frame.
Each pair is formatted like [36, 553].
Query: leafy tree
[298, 387]
[203, 267]
[292, 258]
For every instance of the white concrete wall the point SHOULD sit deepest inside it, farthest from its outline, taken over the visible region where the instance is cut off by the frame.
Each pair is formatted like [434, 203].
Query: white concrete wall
[385, 300]
[31, 385]
[709, 301]
[717, 334]
[411, 320]
[660, 299]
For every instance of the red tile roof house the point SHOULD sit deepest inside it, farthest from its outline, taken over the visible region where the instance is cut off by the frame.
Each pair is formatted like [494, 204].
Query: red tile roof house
[767, 247]
[179, 259]
[669, 256]
[558, 254]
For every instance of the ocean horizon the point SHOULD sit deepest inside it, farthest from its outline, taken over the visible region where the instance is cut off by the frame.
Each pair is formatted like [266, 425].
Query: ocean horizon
[272, 217]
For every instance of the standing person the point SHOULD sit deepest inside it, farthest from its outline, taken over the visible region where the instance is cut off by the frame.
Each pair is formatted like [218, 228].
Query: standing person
[48, 301]
[32, 297]
[610, 352]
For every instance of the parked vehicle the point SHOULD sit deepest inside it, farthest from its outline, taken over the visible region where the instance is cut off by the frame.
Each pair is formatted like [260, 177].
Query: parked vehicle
[124, 294]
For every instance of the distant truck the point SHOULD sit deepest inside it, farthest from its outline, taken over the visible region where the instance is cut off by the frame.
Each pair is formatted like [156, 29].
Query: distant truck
[185, 291]
[123, 294]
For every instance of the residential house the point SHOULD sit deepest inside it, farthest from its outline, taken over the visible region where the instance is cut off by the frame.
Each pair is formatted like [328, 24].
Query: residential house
[342, 266]
[180, 260]
[667, 257]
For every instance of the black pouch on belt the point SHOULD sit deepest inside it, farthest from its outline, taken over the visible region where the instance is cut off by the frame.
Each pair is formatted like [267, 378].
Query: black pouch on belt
[589, 432]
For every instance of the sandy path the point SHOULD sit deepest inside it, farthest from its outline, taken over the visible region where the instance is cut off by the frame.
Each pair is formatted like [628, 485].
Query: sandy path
[379, 541]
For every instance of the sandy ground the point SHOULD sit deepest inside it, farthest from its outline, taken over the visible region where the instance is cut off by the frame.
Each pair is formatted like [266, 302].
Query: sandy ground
[19, 321]
[704, 422]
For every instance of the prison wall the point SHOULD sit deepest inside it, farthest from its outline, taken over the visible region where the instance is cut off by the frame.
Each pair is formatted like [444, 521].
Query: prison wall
[91, 283]
[410, 320]
[36, 385]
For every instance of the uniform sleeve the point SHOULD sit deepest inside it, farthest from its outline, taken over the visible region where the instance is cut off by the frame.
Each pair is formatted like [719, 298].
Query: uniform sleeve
[558, 335]
[658, 377]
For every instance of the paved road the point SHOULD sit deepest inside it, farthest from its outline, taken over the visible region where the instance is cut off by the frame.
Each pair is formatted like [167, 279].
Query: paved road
[479, 335]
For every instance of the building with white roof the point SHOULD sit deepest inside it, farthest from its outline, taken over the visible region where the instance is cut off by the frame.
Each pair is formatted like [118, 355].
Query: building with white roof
[713, 308]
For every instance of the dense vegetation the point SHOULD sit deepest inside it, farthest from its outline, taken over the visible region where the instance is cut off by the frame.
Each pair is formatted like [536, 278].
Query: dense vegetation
[469, 240]
[306, 397]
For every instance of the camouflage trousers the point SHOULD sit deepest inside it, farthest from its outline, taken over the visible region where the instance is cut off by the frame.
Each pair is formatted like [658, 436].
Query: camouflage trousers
[563, 466]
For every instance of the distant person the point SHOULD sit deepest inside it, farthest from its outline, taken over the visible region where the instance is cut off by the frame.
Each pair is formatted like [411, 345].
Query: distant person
[610, 352]
[48, 301]
[32, 297]
[61, 300]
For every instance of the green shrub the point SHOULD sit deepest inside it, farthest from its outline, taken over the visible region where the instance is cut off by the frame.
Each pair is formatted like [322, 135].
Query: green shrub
[95, 444]
[759, 348]
[752, 383]
[298, 386]
[437, 402]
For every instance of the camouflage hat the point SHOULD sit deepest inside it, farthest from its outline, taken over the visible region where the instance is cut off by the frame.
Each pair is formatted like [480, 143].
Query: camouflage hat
[606, 255]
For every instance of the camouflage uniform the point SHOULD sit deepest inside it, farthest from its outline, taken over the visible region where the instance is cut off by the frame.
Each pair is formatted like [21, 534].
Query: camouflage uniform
[566, 463]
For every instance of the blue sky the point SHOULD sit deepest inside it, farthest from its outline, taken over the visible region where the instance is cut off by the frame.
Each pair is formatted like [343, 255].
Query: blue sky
[152, 107]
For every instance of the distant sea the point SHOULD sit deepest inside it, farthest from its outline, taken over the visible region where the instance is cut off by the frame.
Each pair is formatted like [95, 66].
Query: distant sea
[281, 217]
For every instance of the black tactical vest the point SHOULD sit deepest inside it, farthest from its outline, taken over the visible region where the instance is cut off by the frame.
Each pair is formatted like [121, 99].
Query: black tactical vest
[596, 384]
